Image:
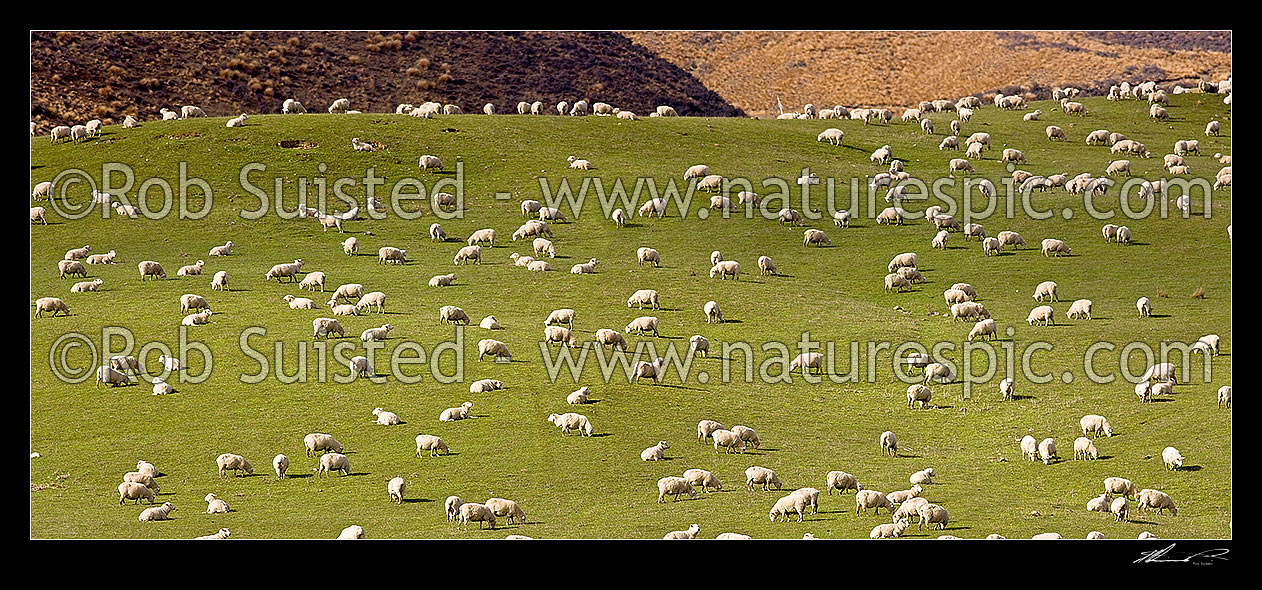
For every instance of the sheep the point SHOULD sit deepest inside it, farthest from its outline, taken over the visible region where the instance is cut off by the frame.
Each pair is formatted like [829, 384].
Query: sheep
[695, 477]
[579, 109]
[918, 393]
[78, 133]
[792, 503]
[506, 508]
[991, 246]
[840, 480]
[1120, 509]
[222, 534]
[905, 259]
[1156, 500]
[458, 413]
[691, 533]
[959, 165]
[889, 531]
[67, 268]
[1054, 246]
[728, 440]
[1042, 315]
[335, 462]
[39, 214]
[281, 464]
[611, 338]
[197, 319]
[1118, 167]
[1011, 238]
[149, 268]
[162, 512]
[949, 142]
[1172, 459]
[1006, 388]
[1157, 113]
[467, 253]
[895, 281]
[318, 441]
[280, 271]
[656, 452]
[865, 499]
[433, 444]
[87, 286]
[1144, 305]
[1014, 156]
[761, 476]
[889, 215]
[1212, 128]
[571, 421]
[1118, 485]
[984, 328]
[579, 396]
[903, 495]
[1054, 133]
[766, 266]
[642, 297]
[139, 492]
[889, 443]
[698, 171]
[940, 240]
[911, 274]
[726, 268]
[1029, 447]
[832, 135]
[353, 532]
[216, 506]
[882, 155]
[300, 302]
[230, 462]
[932, 514]
[473, 512]
[1085, 449]
[93, 128]
[969, 310]
[1224, 396]
[908, 509]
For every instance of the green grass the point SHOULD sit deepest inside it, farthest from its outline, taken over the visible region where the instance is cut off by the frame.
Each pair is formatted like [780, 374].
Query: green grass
[598, 487]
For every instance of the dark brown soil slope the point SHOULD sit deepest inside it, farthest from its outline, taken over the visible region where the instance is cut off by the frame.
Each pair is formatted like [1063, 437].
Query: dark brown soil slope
[77, 76]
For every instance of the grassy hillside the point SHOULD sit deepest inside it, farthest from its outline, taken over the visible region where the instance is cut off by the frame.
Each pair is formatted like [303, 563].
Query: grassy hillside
[598, 487]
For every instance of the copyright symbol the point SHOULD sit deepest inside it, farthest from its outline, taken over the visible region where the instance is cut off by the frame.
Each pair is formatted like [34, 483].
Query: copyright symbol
[61, 201]
[60, 364]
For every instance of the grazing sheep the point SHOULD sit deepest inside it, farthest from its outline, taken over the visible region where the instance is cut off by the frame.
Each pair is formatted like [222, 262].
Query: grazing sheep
[542, 246]
[939, 371]
[1042, 315]
[472, 512]
[726, 268]
[1029, 448]
[932, 514]
[706, 428]
[841, 219]
[428, 162]
[908, 508]
[1144, 306]
[656, 452]
[728, 440]
[889, 443]
[832, 135]
[1172, 459]
[1054, 133]
[134, 491]
[396, 488]
[905, 259]
[452, 505]
[468, 253]
[840, 480]
[896, 281]
[571, 421]
[436, 233]
[1006, 388]
[1011, 238]
[561, 335]
[460, 412]
[277, 272]
[281, 464]
[1054, 246]
[312, 280]
[1224, 396]
[611, 338]
[792, 503]
[1045, 290]
[432, 444]
[230, 462]
[1085, 449]
[67, 268]
[450, 314]
[984, 328]
[1118, 485]
[1120, 509]
[940, 240]
[865, 499]
[702, 478]
[888, 216]
[766, 266]
[761, 476]
[318, 441]
[642, 297]
[1156, 500]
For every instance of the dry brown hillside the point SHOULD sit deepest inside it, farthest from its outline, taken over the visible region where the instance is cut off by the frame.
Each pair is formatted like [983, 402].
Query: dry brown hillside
[896, 68]
[82, 75]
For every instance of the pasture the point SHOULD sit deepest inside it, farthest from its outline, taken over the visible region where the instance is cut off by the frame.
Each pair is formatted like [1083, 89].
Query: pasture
[597, 487]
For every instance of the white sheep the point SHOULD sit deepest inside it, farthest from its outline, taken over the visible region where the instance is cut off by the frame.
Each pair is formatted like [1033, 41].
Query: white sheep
[865, 499]
[703, 479]
[1045, 290]
[611, 338]
[467, 253]
[234, 463]
[157, 512]
[432, 444]
[460, 412]
[1172, 459]
[1054, 246]
[579, 396]
[1144, 305]
[889, 444]
[691, 533]
[840, 480]
[727, 439]
[216, 506]
[571, 421]
[656, 452]
[761, 476]
[1042, 315]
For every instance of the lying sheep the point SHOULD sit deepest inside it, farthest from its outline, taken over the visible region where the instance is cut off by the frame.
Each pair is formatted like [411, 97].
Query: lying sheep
[903, 495]
[111, 377]
[460, 412]
[889, 531]
[216, 506]
[162, 512]
[87, 286]
[924, 476]
[485, 385]
[656, 452]
[691, 533]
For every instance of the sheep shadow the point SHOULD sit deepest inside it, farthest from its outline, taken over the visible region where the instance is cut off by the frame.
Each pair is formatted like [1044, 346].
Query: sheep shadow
[600, 435]
[1016, 397]
[298, 475]
[684, 387]
[1155, 315]
[416, 500]
[1190, 468]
